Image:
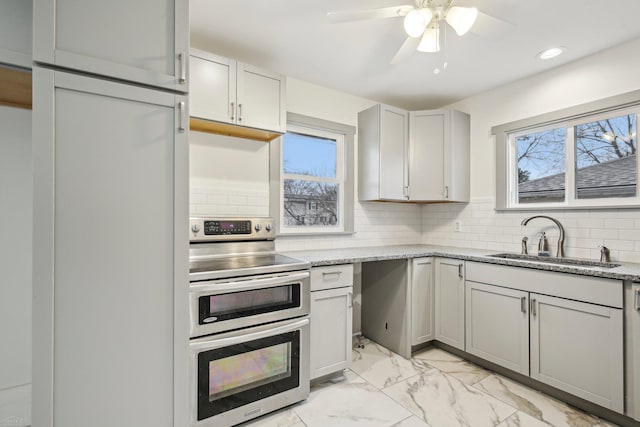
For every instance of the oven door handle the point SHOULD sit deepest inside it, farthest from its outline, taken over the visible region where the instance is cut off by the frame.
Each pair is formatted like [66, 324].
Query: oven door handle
[211, 343]
[243, 285]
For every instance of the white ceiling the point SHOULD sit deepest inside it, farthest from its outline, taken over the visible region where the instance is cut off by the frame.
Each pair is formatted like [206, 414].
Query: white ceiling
[295, 38]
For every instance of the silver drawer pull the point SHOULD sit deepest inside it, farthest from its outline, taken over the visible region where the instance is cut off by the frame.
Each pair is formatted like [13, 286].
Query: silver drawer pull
[460, 275]
[523, 304]
[636, 300]
[331, 275]
[533, 307]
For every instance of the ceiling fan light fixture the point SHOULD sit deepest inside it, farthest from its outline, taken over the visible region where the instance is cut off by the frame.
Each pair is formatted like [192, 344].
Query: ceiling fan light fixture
[416, 21]
[461, 18]
[430, 42]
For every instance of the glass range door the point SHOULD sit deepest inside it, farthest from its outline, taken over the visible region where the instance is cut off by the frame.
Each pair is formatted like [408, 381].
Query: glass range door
[226, 304]
[235, 373]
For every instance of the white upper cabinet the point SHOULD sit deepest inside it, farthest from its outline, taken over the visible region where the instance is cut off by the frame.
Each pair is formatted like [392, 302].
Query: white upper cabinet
[15, 32]
[144, 41]
[420, 156]
[228, 91]
[439, 156]
[382, 150]
[213, 87]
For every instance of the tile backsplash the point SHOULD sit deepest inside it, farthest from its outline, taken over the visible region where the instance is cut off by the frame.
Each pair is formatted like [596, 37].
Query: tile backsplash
[483, 228]
[226, 198]
[376, 224]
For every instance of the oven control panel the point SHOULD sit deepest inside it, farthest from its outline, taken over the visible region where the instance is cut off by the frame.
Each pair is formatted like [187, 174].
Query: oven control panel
[207, 229]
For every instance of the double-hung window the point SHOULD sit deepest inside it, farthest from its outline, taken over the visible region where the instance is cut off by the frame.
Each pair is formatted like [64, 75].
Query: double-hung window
[585, 161]
[312, 166]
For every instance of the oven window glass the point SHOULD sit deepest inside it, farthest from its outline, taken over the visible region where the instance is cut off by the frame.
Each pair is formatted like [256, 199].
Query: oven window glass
[237, 373]
[240, 374]
[214, 308]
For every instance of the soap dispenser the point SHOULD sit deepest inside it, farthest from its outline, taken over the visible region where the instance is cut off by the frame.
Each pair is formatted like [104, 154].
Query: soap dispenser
[543, 245]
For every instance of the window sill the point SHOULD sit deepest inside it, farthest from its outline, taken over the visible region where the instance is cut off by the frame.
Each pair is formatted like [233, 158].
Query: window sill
[564, 208]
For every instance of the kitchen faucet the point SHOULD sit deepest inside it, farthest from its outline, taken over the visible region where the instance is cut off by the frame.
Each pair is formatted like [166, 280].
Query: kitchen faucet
[560, 251]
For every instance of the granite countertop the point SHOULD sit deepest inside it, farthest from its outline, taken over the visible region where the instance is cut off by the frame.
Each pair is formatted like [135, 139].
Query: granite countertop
[627, 271]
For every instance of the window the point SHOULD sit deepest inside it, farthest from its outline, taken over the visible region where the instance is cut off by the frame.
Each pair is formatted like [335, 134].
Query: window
[585, 160]
[313, 164]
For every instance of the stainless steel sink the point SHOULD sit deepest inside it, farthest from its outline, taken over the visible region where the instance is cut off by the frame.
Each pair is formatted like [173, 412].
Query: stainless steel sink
[555, 260]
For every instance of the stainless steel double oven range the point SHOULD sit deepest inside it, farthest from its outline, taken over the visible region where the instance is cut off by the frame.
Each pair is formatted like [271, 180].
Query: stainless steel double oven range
[249, 309]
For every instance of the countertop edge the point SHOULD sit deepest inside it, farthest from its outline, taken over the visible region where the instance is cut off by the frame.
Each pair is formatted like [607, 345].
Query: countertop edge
[326, 257]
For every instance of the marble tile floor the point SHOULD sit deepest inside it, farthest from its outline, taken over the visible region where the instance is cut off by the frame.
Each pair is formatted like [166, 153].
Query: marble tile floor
[434, 388]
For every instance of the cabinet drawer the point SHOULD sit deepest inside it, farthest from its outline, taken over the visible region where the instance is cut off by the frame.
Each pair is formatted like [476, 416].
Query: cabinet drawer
[333, 276]
[595, 290]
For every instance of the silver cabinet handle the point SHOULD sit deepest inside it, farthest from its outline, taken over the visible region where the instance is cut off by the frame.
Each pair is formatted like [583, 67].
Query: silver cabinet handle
[182, 112]
[533, 307]
[239, 112]
[183, 68]
[405, 191]
[636, 300]
[326, 273]
[446, 191]
[350, 296]
[523, 304]
[231, 110]
[460, 271]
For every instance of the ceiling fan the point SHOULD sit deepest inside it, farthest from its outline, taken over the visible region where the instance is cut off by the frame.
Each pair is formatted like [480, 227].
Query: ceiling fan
[422, 22]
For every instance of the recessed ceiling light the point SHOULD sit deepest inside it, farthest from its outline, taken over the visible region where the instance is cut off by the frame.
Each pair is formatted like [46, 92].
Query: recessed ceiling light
[550, 53]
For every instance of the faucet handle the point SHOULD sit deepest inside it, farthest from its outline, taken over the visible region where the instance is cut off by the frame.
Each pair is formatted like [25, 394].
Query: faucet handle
[525, 250]
[605, 254]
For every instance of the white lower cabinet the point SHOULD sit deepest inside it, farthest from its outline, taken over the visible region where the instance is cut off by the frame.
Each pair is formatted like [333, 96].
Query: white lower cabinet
[632, 312]
[574, 346]
[422, 316]
[449, 302]
[578, 347]
[497, 325]
[331, 319]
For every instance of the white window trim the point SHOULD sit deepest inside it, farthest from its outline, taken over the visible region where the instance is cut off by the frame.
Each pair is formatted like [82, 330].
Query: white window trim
[506, 167]
[344, 136]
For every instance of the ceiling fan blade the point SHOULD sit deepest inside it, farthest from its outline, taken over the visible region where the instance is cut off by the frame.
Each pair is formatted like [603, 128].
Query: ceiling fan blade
[407, 49]
[359, 15]
[489, 26]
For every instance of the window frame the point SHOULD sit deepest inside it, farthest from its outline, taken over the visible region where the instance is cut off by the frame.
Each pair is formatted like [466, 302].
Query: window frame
[306, 125]
[506, 164]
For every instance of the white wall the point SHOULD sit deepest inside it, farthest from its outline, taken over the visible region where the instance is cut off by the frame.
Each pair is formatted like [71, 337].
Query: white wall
[16, 207]
[230, 176]
[602, 75]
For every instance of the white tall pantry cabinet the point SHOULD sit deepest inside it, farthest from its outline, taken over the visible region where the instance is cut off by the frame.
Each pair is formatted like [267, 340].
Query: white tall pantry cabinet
[110, 214]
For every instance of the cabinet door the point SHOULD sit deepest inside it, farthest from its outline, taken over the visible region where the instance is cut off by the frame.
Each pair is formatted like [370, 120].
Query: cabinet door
[213, 87]
[449, 302]
[331, 330]
[422, 301]
[456, 156]
[15, 33]
[578, 347]
[426, 155]
[633, 347]
[393, 153]
[497, 325]
[110, 270]
[144, 41]
[261, 99]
